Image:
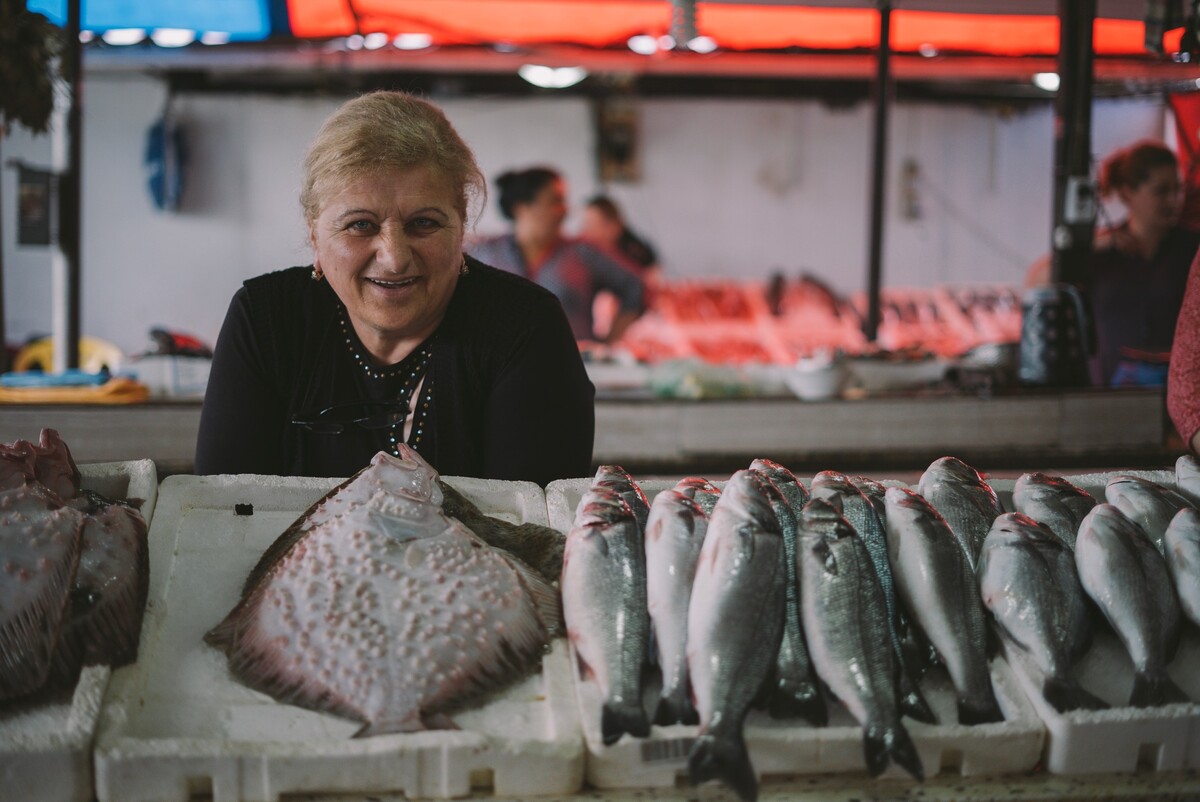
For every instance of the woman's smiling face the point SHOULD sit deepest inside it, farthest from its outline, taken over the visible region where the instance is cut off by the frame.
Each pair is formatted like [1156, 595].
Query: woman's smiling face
[390, 245]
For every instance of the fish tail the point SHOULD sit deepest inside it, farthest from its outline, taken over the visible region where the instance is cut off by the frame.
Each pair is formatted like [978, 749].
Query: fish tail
[910, 699]
[1154, 689]
[974, 712]
[616, 719]
[675, 708]
[1065, 695]
[884, 744]
[803, 701]
[725, 759]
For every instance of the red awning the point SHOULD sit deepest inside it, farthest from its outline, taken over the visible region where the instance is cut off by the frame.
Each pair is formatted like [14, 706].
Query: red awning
[608, 23]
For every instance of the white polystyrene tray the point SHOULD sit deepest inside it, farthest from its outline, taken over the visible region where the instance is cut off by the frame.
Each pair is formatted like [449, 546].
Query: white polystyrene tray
[793, 747]
[1123, 738]
[177, 723]
[46, 745]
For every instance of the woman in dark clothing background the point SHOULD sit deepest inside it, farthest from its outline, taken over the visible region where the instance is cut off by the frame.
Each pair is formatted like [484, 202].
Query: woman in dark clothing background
[1139, 269]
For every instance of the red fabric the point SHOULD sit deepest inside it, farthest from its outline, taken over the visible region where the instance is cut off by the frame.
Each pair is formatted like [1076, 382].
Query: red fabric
[1186, 110]
[1183, 378]
[606, 23]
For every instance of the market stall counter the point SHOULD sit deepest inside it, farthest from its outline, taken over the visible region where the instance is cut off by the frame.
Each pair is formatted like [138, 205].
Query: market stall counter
[1021, 429]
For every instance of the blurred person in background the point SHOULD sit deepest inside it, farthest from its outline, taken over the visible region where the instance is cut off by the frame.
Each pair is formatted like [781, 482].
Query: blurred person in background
[604, 225]
[393, 335]
[1139, 269]
[535, 200]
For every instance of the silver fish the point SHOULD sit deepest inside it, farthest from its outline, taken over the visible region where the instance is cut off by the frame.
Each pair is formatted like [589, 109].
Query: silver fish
[674, 534]
[874, 491]
[618, 479]
[1053, 501]
[795, 691]
[938, 588]
[964, 499]
[1028, 581]
[1182, 542]
[1187, 477]
[845, 619]
[735, 624]
[377, 607]
[1146, 503]
[700, 490]
[604, 604]
[1124, 573]
[838, 490]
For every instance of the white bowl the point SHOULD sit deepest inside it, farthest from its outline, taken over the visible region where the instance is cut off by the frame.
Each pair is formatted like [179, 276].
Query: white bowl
[816, 384]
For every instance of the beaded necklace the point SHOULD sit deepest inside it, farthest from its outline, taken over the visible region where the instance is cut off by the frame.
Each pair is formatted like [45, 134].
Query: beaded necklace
[413, 369]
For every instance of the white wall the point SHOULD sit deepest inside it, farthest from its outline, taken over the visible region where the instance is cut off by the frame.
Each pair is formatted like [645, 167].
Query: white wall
[729, 188]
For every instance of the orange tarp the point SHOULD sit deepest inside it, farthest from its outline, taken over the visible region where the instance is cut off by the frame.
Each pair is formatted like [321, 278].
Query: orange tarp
[605, 23]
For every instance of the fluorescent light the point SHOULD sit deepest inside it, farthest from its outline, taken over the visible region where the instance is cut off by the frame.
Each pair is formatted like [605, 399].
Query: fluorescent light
[123, 36]
[354, 42]
[927, 50]
[412, 41]
[374, 41]
[551, 77]
[643, 45]
[86, 36]
[666, 42]
[214, 38]
[702, 44]
[172, 37]
[1046, 80]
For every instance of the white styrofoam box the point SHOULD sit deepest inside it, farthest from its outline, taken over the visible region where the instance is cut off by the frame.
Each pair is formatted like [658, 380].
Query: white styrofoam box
[793, 747]
[46, 744]
[178, 724]
[172, 376]
[1123, 738]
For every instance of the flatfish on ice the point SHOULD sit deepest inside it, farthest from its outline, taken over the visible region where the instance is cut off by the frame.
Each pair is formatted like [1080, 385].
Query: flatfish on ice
[375, 606]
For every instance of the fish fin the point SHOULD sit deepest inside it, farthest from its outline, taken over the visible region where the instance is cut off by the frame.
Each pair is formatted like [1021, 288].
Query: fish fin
[713, 758]
[990, 712]
[882, 745]
[910, 699]
[283, 544]
[547, 603]
[411, 723]
[438, 721]
[616, 720]
[1153, 690]
[1065, 695]
[675, 709]
[798, 702]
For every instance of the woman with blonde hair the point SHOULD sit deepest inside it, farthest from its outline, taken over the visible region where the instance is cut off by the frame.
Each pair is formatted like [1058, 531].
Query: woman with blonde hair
[393, 335]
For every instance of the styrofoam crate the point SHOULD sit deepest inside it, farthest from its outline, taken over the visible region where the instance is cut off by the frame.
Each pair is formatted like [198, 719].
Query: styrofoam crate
[1123, 738]
[793, 747]
[46, 744]
[178, 724]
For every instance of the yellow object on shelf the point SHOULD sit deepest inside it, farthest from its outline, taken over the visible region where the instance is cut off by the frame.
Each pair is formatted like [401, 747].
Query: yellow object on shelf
[117, 390]
[95, 355]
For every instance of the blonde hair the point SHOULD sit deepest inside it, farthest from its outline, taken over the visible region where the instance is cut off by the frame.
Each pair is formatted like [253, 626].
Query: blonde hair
[382, 130]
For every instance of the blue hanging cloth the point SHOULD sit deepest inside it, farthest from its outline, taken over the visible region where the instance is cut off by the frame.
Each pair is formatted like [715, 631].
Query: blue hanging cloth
[166, 159]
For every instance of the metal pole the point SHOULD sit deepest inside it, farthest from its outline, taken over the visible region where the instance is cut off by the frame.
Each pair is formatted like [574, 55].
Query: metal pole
[883, 91]
[1074, 194]
[3, 328]
[69, 187]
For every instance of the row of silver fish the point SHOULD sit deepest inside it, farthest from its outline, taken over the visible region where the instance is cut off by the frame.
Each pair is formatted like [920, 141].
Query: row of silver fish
[1136, 556]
